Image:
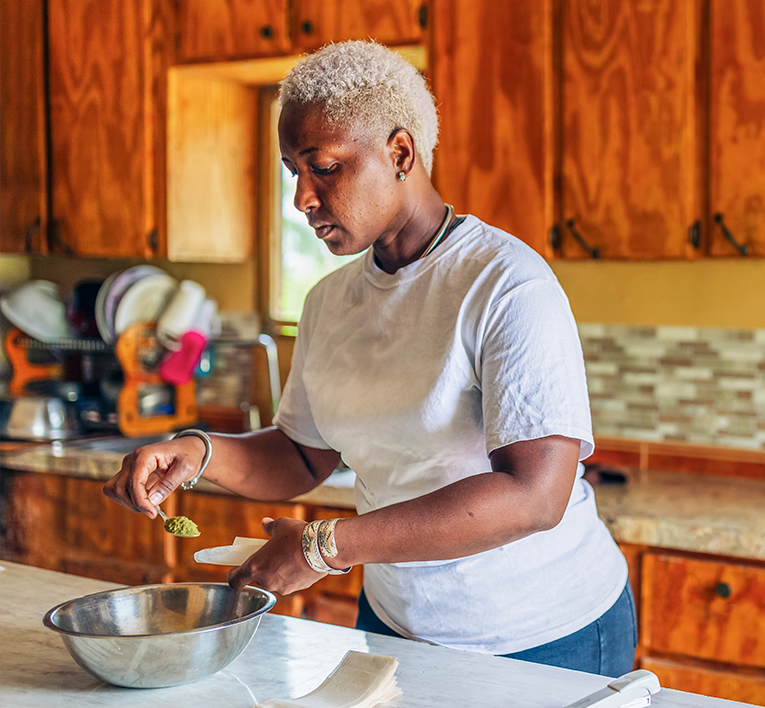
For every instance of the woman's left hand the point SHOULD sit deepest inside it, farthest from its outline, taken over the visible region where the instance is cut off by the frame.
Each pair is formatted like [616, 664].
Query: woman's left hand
[280, 565]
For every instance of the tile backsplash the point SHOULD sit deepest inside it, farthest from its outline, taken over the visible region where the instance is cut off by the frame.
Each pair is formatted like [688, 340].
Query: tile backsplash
[697, 385]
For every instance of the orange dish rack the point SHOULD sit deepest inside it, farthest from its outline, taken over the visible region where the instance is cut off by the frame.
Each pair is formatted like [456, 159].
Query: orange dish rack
[138, 355]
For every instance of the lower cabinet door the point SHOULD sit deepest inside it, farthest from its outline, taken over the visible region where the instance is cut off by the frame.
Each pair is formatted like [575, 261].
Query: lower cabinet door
[708, 681]
[705, 609]
[332, 609]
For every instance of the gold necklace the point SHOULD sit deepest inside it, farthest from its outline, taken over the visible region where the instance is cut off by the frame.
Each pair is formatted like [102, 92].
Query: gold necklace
[442, 230]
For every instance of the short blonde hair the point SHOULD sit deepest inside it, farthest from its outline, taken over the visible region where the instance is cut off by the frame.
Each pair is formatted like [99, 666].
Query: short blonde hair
[367, 84]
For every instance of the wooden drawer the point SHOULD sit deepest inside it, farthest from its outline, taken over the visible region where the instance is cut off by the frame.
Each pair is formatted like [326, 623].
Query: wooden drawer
[331, 610]
[704, 609]
[221, 518]
[708, 681]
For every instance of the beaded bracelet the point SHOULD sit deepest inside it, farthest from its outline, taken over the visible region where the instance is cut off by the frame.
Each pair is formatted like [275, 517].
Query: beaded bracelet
[312, 553]
[205, 438]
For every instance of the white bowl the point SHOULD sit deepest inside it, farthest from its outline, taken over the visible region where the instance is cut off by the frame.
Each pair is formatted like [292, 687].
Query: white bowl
[36, 309]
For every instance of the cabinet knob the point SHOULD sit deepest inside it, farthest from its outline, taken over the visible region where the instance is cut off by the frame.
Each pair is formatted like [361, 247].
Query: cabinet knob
[266, 32]
[34, 227]
[723, 590]
[307, 27]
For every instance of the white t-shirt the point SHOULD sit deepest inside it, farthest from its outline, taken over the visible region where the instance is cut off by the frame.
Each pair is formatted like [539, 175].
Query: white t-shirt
[415, 377]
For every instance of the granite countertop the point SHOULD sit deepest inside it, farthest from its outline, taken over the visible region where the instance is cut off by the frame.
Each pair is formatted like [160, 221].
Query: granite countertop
[287, 658]
[704, 514]
[102, 464]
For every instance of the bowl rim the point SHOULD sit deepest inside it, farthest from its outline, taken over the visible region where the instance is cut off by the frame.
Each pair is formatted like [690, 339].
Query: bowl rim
[50, 614]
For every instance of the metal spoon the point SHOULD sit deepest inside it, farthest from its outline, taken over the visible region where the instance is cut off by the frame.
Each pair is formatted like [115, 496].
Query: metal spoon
[165, 519]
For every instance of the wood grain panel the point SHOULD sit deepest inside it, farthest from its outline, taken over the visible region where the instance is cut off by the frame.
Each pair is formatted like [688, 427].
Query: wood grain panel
[330, 609]
[684, 613]
[489, 78]
[98, 528]
[387, 21]
[629, 166]
[98, 87]
[221, 518]
[34, 518]
[737, 171]
[708, 681]
[212, 128]
[219, 30]
[22, 164]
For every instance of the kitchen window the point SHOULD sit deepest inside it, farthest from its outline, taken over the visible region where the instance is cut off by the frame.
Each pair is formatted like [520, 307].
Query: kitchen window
[297, 258]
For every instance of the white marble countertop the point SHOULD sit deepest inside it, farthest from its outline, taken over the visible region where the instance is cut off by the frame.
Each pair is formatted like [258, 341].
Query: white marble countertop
[287, 658]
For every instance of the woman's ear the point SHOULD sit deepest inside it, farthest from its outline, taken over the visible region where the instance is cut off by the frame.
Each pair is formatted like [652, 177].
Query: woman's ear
[402, 152]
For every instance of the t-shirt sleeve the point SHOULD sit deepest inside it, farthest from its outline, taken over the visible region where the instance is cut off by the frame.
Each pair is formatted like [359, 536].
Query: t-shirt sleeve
[294, 416]
[532, 369]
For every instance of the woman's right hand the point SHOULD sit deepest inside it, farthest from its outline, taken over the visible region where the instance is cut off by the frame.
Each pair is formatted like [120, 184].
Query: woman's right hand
[151, 473]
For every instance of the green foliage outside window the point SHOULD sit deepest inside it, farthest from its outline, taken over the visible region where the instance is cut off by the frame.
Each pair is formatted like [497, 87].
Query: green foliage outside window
[305, 259]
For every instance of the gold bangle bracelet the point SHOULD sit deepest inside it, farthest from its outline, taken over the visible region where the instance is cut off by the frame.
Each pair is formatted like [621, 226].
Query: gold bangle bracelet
[312, 554]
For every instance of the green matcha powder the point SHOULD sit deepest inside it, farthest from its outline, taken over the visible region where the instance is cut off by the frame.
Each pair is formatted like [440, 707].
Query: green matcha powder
[181, 526]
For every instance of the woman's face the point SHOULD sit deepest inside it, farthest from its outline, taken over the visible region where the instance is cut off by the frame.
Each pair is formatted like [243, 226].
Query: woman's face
[346, 183]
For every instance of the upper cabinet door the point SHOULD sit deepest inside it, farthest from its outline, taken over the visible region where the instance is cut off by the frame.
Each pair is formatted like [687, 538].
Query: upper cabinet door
[103, 127]
[220, 30]
[629, 159]
[737, 155]
[387, 21]
[22, 182]
[489, 79]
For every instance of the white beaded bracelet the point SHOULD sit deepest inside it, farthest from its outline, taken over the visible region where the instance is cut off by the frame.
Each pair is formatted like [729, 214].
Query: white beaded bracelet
[312, 553]
[205, 438]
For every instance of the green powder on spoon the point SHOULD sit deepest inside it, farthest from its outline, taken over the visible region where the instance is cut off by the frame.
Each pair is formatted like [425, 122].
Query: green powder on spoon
[182, 526]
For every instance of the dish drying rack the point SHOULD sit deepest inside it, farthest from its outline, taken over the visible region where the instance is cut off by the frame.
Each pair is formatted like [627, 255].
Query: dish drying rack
[138, 354]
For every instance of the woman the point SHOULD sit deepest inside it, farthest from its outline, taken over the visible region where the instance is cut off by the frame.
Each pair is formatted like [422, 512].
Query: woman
[445, 367]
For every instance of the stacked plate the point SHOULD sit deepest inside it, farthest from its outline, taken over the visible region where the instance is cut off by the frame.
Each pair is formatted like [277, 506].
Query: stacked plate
[37, 309]
[138, 294]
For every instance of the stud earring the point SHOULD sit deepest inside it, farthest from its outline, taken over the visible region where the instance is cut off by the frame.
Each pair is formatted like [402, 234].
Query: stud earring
[401, 176]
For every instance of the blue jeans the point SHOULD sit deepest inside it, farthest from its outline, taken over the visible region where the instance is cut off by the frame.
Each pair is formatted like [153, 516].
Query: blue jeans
[606, 646]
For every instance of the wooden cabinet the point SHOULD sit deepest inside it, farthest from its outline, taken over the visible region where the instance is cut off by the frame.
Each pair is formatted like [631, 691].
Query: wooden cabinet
[22, 161]
[317, 22]
[216, 30]
[737, 150]
[67, 524]
[704, 609]
[627, 111]
[605, 129]
[702, 622]
[107, 83]
[489, 69]
[229, 30]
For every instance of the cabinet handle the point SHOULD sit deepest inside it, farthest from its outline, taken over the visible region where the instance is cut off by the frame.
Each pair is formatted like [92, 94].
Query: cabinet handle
[723, 590]
[307, 27]
[591, 251]
[422, 16]
[694, 234]
[152, 240]
[554, 237]
[34, 227]
[54, 239]
[742, 248]
[266, 32]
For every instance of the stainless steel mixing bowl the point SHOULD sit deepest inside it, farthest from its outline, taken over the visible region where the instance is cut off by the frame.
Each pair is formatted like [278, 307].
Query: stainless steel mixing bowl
[152, 636]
